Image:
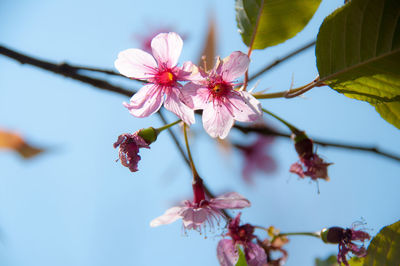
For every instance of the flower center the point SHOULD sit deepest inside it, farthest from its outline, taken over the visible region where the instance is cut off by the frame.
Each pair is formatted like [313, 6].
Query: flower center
[219, 89]
[166, 78]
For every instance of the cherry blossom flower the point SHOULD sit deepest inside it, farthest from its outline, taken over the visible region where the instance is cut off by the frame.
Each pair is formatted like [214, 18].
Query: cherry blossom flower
[256, 157]
[201, 212]
[161, 72]
[310, 163]
[213, 92]
[345, 238]
[227, 249]
[129, 145]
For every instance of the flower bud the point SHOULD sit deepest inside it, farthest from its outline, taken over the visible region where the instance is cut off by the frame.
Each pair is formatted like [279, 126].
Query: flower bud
[332, 235]
[148, 134]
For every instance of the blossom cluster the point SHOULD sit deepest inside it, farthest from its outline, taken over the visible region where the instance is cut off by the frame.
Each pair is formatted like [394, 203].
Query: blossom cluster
[221, 100]
[214, 92]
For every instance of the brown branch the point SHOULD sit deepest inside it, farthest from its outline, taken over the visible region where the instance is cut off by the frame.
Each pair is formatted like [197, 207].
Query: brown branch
[281, 60]
[267, 131]
[64, 70]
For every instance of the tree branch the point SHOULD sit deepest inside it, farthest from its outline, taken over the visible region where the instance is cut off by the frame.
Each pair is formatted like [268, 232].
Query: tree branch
[281, 60]
[64, 70]
[267, 131]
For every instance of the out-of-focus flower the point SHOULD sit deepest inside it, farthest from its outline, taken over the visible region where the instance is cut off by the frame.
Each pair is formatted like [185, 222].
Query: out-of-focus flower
[227, 249]
[213, 93]
[345, 238]
[256, 157]
[272, 246]
[201, 212]
[310, 163]
[129, 145]
[144, 39]
[162, 74]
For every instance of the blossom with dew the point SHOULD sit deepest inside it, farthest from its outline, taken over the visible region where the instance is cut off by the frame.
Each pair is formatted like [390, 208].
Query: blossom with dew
[345, 238]
[214, 93]
[256, 157]
[129, 145]
[227, 249]
[201, 212]
[310, 163]
[161, 73]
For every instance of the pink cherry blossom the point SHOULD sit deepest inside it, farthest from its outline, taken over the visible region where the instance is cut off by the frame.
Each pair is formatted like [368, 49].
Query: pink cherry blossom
[201, 212]
[256, 157]
[214, 93]
[129, 145]
[227, 249]
[161, 72]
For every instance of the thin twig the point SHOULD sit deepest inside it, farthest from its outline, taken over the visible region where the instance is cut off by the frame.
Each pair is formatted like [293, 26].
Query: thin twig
[94, 69]
[267, 131]
[281, 60]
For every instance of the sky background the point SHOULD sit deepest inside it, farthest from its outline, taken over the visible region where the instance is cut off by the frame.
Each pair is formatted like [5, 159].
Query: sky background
[74, 205]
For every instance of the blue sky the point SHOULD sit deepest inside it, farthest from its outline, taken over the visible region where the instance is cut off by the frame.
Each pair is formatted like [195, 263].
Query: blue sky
[76, 206]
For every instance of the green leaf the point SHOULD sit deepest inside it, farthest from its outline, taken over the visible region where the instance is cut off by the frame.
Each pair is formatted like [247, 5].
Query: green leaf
[390, 112]
[279, 20]
[242, 258]
[358, 54]
[384, 248]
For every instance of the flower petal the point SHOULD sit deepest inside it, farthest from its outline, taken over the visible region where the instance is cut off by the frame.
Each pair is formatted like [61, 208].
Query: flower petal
[234, 66]
[167, 48]
[146, 101]
[194, 218]
[170, 216]
[244, 106]
[217, 120]
[255, 255]
[296, 168]
[174, 103]
[135, 63]
[231, 200]
[227, 253]
[195, 96]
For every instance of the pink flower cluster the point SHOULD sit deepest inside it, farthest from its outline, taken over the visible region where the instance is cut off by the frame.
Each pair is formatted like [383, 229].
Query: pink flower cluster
[214, 92]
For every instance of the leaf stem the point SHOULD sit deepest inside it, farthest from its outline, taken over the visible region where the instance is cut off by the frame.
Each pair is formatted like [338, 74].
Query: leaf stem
[291, 93]
[292, 128]
[253, 37]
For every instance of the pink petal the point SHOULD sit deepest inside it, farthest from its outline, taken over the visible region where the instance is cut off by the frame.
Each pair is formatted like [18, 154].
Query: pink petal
[195, 96]
[193, 218]
[255, 255]
[174, 104]
[217, 120]
[227, 253]
[146, 101]
[296, 168]
[234, 66]
[170, 216]
[244, 107]
[167, 48]
[231, 200]
[135, 63]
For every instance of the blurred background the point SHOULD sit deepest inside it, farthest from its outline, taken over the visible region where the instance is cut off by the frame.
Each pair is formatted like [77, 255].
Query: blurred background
[74, 205]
